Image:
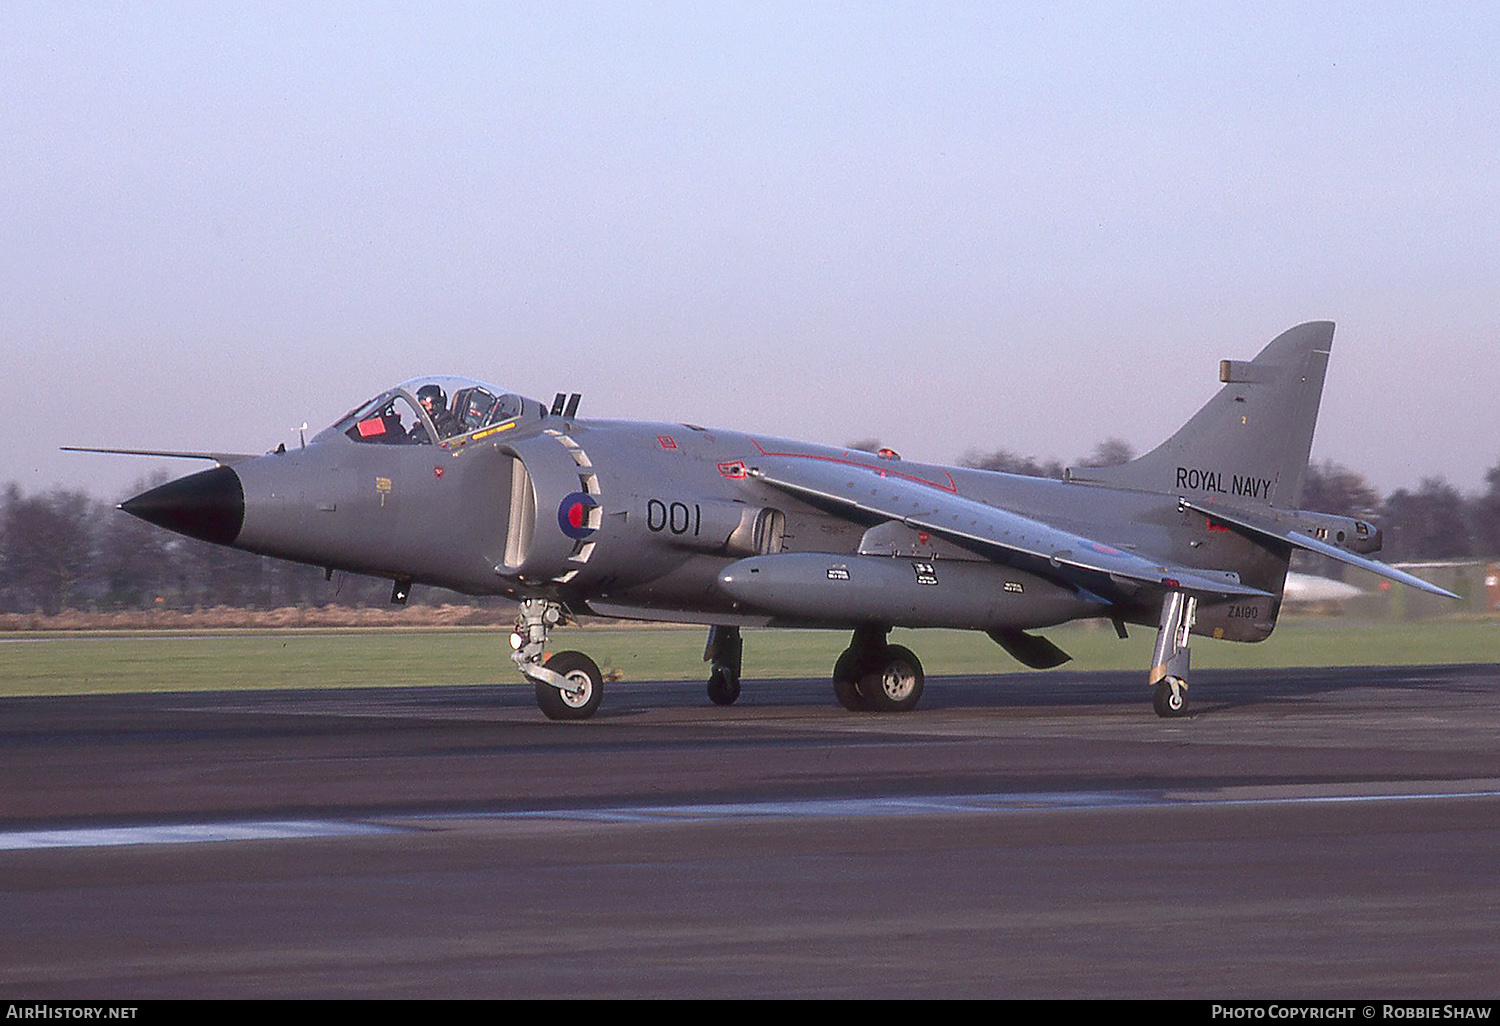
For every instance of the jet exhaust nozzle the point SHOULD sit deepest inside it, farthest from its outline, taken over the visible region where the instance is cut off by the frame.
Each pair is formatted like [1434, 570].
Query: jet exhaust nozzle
[209, 505]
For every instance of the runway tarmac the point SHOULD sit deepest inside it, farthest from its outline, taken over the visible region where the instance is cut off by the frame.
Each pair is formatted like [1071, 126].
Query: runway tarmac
[1306, 833]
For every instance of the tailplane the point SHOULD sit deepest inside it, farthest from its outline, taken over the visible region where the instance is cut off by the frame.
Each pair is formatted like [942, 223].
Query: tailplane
[1250, 442]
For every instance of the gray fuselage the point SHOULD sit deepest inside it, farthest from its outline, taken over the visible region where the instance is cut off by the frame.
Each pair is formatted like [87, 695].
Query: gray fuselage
[639, 519]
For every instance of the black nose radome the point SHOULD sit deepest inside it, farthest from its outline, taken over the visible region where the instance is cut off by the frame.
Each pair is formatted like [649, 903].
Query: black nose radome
[208, 505]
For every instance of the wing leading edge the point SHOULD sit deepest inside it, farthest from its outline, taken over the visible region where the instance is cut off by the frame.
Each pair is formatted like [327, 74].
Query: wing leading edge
[869, 494]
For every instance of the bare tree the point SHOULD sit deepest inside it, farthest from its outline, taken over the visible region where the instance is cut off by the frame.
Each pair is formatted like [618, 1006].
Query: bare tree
[1109, 453]
[1429, 523]
[46, 545]
[1008, 462]
[1484, 516]
[1333, 488]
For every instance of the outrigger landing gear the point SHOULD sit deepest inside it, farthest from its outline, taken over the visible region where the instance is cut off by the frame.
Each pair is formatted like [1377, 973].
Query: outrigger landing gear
[1169, 664]
[569, 685]
[874, 675]
[724, 653]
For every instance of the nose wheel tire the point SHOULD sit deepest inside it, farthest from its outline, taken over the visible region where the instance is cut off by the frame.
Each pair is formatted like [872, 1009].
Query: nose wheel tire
[584, 692]
[1169, 698]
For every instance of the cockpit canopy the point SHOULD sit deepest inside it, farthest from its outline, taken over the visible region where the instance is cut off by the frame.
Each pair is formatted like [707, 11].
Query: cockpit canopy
[436, 409]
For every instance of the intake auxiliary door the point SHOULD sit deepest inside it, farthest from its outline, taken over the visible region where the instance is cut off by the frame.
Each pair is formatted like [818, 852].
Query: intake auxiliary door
[521, 523]
[554, 511]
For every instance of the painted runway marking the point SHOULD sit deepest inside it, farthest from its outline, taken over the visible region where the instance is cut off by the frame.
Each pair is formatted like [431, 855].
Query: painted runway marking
[814, 808]
[185, 833]
[973, 804]
[832, 808]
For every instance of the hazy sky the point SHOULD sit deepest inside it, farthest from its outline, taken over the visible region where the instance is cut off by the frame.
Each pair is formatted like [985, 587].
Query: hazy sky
[1027, 226]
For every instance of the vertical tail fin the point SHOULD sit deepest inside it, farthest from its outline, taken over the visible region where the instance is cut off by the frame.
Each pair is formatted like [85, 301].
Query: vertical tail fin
[1250, 442]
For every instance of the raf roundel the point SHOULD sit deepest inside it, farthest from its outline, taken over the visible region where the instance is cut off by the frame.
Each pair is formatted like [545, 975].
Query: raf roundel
[573, 515]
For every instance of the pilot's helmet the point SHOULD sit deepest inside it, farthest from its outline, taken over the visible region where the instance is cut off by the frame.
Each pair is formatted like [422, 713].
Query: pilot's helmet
[432, 397]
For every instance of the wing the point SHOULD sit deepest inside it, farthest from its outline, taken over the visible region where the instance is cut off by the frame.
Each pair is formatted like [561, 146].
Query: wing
[1267, 528]
[871, 495]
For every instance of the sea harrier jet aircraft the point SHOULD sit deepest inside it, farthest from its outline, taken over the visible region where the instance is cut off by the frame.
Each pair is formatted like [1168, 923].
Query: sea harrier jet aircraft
[459, 484]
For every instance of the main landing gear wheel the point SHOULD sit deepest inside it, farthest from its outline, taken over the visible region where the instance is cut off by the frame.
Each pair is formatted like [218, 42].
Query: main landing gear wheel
[584, 692]
[1169, 698]
[897, 685]
[724, 654]
[723, 685]
[873, 676]
[846, 684]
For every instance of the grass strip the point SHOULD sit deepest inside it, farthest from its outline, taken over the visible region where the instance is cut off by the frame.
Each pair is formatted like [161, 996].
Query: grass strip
[40, 663]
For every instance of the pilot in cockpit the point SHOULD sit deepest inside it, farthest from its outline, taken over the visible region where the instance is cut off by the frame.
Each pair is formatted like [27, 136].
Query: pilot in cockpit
[435, 401]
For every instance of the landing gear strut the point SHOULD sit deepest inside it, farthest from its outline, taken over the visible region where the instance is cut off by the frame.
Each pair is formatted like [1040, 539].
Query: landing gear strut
[1169, 664]
[569, 685]
[724, 653]
[874, 675]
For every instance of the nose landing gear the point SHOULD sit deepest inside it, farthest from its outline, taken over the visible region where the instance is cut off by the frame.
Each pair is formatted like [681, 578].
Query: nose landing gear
[569, 685]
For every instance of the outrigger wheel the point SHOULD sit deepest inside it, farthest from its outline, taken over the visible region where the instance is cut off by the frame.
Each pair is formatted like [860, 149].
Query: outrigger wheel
[1169, 698]
[1169, 662]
